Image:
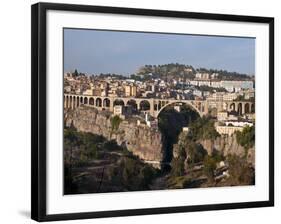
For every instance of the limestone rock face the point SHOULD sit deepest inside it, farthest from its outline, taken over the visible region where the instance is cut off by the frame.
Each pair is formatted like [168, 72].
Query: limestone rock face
[224, 144]
[228, 145]
[140, 140]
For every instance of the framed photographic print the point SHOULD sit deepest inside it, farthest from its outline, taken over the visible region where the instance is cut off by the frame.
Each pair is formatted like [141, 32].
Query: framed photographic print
[139, 111]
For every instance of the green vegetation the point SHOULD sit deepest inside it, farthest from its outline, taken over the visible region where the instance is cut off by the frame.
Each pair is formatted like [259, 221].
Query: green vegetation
[246, 138]
[203, 128]
[81, 147]
[209, 166]
[87, 143]
[113, 168]
[76, 73]
[195, 151]
[226, 75]
[165, 71]
[94, 164]
[191, 155]
[240, 172]
[178, 182]
[189, 149]
[177, 167]
[115, 122]
[131, 174]
[211, 89]
[171, 122]
[176, 70]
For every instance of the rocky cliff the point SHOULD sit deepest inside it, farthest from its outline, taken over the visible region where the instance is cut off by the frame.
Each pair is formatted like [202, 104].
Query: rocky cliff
[224, 144]
[228, 145]
[140, 140]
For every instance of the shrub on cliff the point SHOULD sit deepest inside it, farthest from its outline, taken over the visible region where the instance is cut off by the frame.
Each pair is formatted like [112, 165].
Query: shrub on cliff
[189, 148]
[203, 128]
[87, 143]
[112, 146]
[240, 172]
[115, 122]
[147, 174]
[246, 138]
[133, 174]
[177, 167]
[171, 122]
[209, 166]
[195, 152]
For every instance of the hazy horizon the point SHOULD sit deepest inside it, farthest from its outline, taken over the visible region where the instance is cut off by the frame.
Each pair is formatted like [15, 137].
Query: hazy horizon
[120, 52]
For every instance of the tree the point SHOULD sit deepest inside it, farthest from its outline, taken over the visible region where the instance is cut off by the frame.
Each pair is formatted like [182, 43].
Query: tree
[203, 128]
[240, 172]
[146, 174]
[75, 73]
[209, 166]
[246, 138]
[71, 140]
[195, 151]
[177, 167]
[115, 122]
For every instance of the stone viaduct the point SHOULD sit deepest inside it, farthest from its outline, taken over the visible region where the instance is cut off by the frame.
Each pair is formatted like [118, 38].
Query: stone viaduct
[151, 105]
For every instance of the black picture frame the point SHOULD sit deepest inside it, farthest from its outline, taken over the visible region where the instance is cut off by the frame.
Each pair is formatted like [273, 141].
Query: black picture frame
[38, 108]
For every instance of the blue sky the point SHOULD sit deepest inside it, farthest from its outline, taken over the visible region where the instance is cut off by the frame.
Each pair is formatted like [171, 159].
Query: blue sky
[96, 51]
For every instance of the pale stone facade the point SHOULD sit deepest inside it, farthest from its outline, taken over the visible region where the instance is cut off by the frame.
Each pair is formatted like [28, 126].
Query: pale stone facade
[228, 130]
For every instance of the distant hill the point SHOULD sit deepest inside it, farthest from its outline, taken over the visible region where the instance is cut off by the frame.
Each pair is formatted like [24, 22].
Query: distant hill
[165, 71]
[181, 71]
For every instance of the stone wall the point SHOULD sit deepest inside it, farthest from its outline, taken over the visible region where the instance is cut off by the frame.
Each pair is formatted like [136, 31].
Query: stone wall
[140, 140]
[228, 145]
[224, 144]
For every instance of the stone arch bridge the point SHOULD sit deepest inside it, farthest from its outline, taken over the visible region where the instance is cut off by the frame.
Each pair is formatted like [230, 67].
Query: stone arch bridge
[151, 105]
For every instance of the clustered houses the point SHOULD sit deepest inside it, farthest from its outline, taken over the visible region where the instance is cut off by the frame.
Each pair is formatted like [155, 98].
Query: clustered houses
[231, 102]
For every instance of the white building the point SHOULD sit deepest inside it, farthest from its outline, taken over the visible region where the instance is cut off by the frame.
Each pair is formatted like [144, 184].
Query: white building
[230, 96]
[238, 123]
[198, 93]
[222, 115]
[236, 86]
[218, 96]
[118, 110]
[228, 130]
[229, 85]
[203, 75]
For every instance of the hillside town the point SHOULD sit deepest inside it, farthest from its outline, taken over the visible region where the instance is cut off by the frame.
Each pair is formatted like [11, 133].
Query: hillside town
[229, 99]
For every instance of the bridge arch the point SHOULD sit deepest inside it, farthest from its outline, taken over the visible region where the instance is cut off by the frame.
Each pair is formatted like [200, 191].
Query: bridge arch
[240, 109]
[253, 108]
[67, 102]
[77, 101]
[177, 102]
[106, 102]
[98, 102]
[133, 104]
[91, 101]
[232, 107]
[144, 105]
[70, 102]
[119, 102]
[74, 102]
[247, 108]
[85, 100]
